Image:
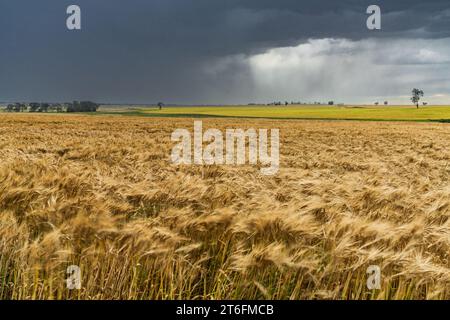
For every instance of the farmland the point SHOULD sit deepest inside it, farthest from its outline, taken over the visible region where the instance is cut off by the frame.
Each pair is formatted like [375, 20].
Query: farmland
[100, 192]
[379, 113]
[291, 112]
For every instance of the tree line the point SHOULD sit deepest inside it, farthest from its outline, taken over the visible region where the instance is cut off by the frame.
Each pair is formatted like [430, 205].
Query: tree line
[76, 106]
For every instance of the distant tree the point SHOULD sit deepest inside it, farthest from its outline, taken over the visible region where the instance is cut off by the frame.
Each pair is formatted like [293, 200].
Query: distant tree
[34, 106]
[330, 103]
[83, 106]
[386, 103]
[377, 103]
[160, 105]
[72, 107]
[425, 103]
[89, 106]
[44, 107]
[416, 95]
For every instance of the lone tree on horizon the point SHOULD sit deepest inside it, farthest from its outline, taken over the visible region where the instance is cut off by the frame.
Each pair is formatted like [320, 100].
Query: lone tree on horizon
[416, 95]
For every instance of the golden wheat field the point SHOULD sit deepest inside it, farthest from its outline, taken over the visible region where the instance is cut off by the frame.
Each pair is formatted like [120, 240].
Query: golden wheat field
[101, 193]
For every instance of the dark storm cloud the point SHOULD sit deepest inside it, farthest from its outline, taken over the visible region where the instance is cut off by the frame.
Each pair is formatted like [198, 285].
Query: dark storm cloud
[151, 50]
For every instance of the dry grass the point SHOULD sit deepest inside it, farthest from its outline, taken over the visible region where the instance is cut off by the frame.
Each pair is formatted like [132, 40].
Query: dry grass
[101, 193]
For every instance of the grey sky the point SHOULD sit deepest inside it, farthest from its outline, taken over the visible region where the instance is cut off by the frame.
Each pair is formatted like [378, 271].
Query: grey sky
[224, 51]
